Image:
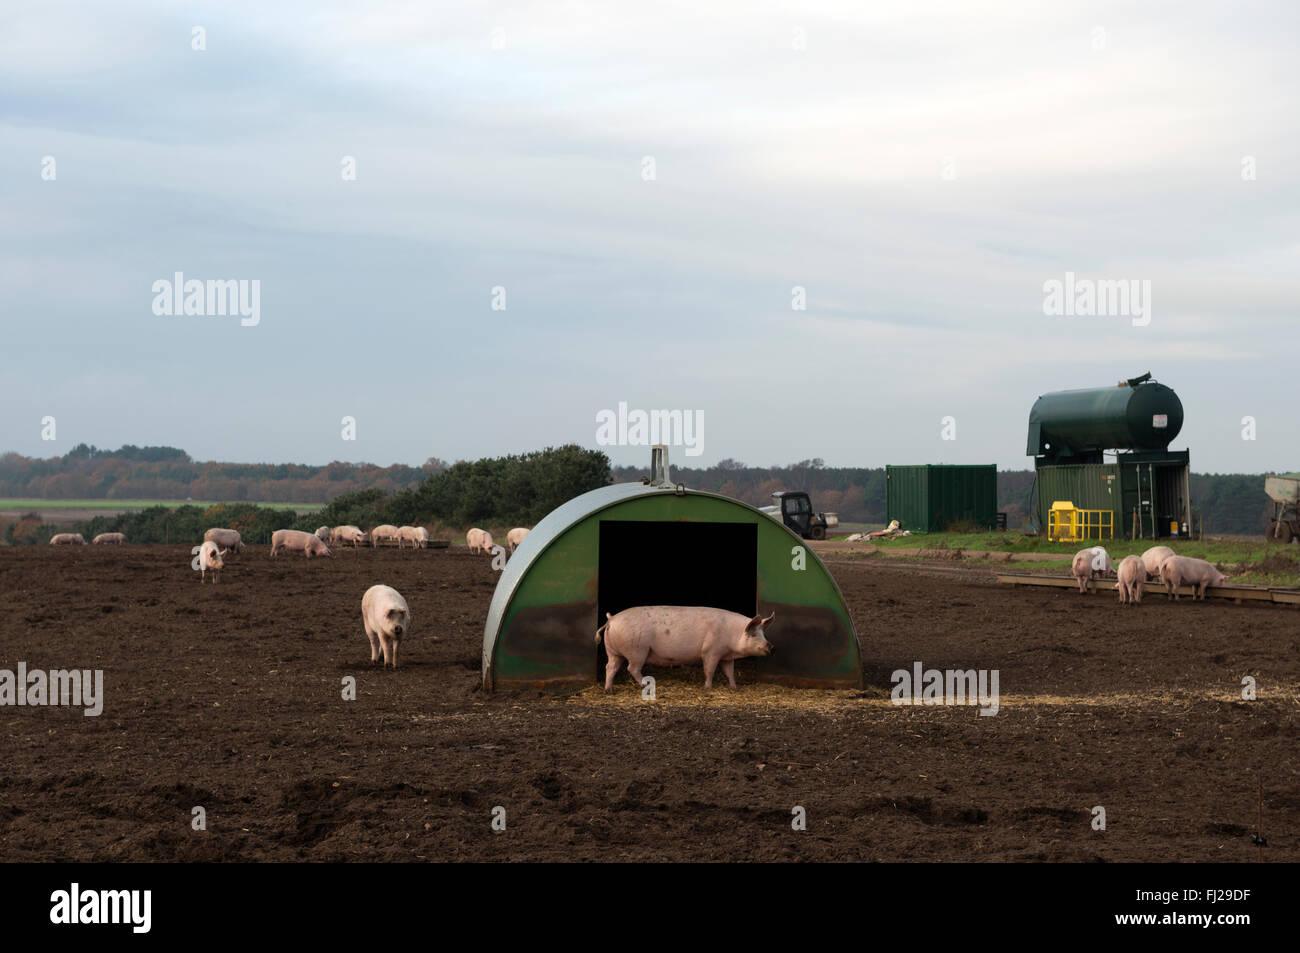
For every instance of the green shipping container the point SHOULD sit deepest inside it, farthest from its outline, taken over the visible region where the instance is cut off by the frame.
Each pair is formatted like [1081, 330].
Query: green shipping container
[932, 497]
[1146, 492]
[1089, 486]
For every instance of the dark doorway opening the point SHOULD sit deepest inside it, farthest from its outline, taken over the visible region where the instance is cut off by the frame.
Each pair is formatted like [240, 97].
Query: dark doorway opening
[675, 564]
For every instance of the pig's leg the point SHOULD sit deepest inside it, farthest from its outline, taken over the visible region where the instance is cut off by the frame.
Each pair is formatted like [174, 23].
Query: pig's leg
[386, 643]
[729, 669]
[611, 669]
[710, 666]
[395, 643]
[634, 669]
[374, 645]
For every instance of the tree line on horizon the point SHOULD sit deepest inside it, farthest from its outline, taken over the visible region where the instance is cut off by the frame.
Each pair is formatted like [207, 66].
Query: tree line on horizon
[516, 490]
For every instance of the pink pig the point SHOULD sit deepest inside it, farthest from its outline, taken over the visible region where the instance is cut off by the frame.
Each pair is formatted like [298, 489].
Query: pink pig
[296, 541]
[1089, 563]
[681, 635]
[1132, 576]
[1153, 558]
[1184, 571]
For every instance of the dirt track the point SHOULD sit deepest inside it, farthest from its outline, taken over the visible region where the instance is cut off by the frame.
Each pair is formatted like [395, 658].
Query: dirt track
[228, 697]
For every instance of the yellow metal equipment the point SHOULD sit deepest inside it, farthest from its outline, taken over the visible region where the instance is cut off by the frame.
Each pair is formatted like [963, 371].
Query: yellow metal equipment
[1066, 522]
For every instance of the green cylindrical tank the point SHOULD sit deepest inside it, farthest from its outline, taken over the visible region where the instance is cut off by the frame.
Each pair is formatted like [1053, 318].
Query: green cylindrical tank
[1071, 423]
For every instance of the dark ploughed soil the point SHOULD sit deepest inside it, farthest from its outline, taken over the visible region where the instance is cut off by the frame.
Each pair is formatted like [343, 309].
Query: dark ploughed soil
[229, 697]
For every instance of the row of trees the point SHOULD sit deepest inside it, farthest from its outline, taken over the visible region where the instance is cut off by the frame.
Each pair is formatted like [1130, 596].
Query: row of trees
[167, 473]
[517, 489]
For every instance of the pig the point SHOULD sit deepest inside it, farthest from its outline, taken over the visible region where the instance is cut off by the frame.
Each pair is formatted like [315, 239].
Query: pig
[109, 539]
[324, 534]
[211, 560]
[479, 540]
[1184, 571]
[67, 539]
[386, 618]
[348, 534]
[407, 534]
[515, 537]
[1089, 563]
[1153, 558]
[383, 532]
[423, 535]
[296, 541]
[1132, 574]
[227, 539]
[681, 635]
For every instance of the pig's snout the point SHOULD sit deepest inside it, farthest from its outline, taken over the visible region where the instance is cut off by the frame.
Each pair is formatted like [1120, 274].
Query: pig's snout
[397, 630]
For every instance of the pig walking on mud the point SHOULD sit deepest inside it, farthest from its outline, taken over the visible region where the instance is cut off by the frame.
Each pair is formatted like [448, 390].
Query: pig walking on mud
[1089, 563]
[348, 534]
[227, 539]
[386, 617]
[1184, 571]
[296, 541]
[1132, 575]
[681, 635]
[211, 561]
[479, 540]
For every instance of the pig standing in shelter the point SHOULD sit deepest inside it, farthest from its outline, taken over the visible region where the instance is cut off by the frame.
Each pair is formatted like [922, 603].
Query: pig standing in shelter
[681, 635]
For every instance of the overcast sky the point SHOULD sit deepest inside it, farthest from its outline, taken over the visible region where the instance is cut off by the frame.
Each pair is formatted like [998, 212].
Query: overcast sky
[649, 184]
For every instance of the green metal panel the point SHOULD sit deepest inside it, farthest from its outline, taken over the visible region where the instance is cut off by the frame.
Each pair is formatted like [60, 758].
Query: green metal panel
[931, 497]
[907, 494]
[542, 623]
[1089, 486]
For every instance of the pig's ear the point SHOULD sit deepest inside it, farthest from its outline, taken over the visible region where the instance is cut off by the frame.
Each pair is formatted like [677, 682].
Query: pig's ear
[768, 620]
[754, 623]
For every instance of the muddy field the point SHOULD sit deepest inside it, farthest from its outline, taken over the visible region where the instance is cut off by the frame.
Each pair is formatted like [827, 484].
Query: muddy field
[228, 697]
